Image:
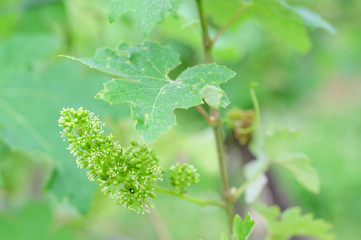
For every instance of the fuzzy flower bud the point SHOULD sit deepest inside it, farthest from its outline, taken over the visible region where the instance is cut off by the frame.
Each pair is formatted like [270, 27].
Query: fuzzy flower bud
[127, 175]
[182, 176]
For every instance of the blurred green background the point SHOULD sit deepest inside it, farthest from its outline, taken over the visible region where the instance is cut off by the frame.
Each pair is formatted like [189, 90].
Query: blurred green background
[44, 196]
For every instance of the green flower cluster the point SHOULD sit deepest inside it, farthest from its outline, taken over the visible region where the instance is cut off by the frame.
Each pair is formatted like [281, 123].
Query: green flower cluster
[182, 176]
[126, 175]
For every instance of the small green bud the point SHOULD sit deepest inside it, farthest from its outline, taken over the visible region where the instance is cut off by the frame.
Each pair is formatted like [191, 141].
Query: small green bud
[183, 176]
[70, 135]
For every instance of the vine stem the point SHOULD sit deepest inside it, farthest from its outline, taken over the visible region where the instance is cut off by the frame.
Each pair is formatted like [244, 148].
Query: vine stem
[199, 201]
[217, 128]
[207, 42]
[216, 123]
[220, 149]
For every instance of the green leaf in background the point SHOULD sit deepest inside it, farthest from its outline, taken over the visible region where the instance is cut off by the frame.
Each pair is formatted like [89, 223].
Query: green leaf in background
[310, 18]
[20, 92]
[280, 142]
[4, 149]
[299, 165]
[242, 229]
[148, 13]
[33, 90]
[285, 24]
[34, 221]
[280, 149]
[224, 236]
[220, 12]
[280, 20]
[145, 84]
[313, 20]
[70, 183]
[17, 168]
[255, 170]
[282, 226]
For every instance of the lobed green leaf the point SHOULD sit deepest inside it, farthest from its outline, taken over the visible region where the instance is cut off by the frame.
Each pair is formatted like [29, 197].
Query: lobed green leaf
[275, 16]
[280, 148]
[142, 80]
[310, 18]
[33, 221]
[299, 165]
[30, 100]
[291, 222]
[282, 22]
[242, 229]
[148, 13]
[255, 171]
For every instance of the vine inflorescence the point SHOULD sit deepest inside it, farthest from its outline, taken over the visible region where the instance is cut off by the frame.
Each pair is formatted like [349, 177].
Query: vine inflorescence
[182, 176]
[125, 174]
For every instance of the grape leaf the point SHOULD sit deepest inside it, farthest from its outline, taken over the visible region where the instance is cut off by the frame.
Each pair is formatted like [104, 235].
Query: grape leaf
[242, 229]
[276, 17]
[299, 165]
[145, 84]
[283, 23]
[286, 22]
[220, 12]
[33, 221]
[224, 236]
[310, 18]
[280, 148]
[292, 223]
[280, 142]
[4, 150]
[69, 182]
[255, 170]
[313, 20]
[17, 168]
[33, 90]
[148, 13]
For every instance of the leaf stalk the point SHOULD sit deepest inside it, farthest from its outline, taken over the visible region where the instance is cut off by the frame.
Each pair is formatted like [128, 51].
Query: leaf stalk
[205, 114]
[199, 201]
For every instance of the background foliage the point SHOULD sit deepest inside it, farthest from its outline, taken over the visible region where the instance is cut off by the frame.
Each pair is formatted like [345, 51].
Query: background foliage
[316, 92]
